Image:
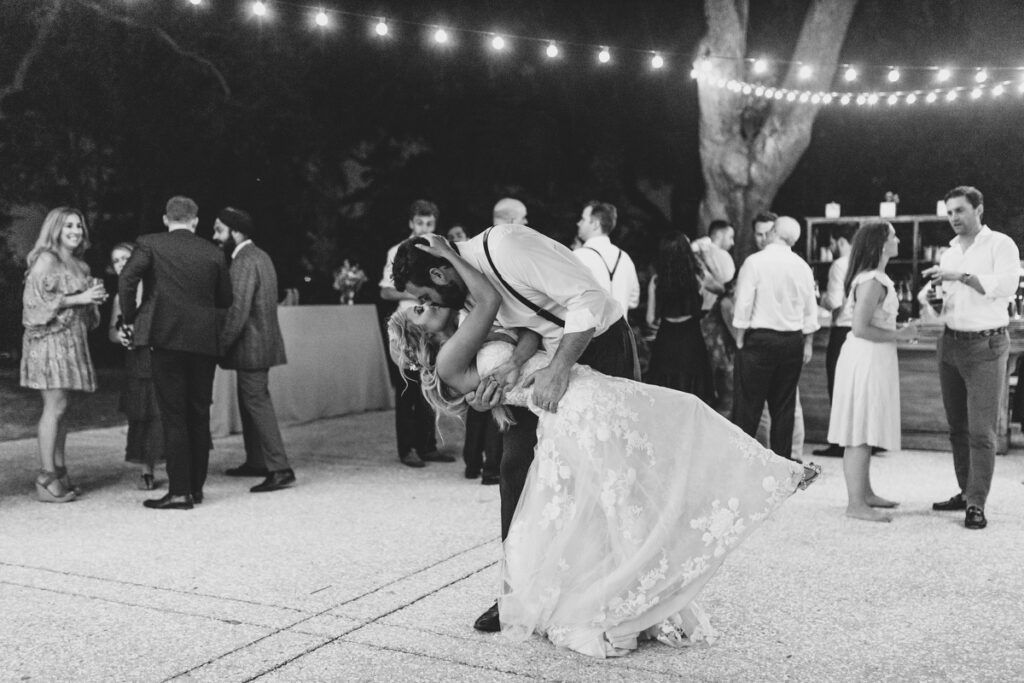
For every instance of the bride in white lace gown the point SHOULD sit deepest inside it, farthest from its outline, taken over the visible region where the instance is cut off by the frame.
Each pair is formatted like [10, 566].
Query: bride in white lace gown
[636, 494]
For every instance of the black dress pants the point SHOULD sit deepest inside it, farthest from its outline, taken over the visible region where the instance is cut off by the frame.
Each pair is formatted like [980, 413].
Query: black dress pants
[184, 390]
[482, 448]
[414, 418]
[836, 337]
[612, 353]
[768, 369]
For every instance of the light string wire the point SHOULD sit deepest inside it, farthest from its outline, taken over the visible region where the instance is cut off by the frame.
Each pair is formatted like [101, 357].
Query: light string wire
[848, 71]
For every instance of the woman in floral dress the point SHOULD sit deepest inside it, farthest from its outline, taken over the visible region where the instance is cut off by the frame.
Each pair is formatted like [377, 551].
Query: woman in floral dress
[634, 498]
[60, 307]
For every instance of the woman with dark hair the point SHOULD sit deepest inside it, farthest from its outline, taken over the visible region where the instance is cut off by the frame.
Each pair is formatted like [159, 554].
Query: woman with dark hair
[679, 359]
[60, 307]
[866, 397]
[145, 445]
[635, 496]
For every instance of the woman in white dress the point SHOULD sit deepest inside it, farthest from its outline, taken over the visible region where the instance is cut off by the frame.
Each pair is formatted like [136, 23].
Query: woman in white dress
[866, 395]
[634, 498]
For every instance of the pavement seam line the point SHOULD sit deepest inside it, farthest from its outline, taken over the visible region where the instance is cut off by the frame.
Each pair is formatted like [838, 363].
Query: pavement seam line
[341, 604]
[156, 588]
[371, 621]
[232, 622]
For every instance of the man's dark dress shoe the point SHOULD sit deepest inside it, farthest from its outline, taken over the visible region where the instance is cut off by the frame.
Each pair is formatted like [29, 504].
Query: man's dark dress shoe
[436, 456]
[410, 459]
[957, 502]
[170, 502]
[274, 481]
[197, 497]
[246, 470]
[472, 474]
[490, 479]
[830, 451]
[489, 621]
[975, 518]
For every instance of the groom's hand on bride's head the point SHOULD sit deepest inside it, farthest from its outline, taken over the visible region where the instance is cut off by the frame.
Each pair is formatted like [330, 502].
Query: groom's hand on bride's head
[488, 394]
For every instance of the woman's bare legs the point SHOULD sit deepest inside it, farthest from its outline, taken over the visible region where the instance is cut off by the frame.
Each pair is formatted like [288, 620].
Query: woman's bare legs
[856, 469]
[52, 430]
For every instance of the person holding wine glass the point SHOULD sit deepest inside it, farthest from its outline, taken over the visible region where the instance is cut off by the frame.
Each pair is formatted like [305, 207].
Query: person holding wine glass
[60, 306]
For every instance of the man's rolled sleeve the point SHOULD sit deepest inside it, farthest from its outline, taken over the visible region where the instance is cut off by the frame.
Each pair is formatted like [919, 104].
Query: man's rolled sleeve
[746, 287]
[1003, 282]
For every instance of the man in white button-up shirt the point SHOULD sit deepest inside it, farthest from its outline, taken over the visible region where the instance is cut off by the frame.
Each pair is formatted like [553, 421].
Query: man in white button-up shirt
[611, 266]
[775, 317]
[979, 275]
[543, 288]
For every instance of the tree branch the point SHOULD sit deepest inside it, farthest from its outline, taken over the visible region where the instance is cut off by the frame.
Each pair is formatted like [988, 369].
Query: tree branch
[166, 38]
[28, 59]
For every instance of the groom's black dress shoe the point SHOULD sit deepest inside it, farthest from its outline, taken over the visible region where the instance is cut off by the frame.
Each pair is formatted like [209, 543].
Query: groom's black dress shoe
[489, 621]
[246, 470]
[197, 497]
[274, 481]
[957, 502]
[975, 518]
[830, 451]
[170, 502]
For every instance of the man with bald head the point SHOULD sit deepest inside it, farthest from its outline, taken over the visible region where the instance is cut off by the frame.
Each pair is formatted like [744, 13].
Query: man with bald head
[776, 315]
[509, 210]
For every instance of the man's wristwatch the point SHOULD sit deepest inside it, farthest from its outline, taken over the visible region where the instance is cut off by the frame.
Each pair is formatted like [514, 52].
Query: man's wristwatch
[965, 277]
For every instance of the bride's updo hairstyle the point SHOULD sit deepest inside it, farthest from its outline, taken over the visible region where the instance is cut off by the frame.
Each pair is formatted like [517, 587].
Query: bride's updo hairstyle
[412, 348]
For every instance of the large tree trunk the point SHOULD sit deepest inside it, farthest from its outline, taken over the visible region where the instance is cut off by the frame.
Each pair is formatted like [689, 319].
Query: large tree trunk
[749, 146]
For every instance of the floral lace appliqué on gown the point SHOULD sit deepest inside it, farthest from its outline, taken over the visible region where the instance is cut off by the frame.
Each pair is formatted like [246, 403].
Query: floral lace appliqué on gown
[636, 495]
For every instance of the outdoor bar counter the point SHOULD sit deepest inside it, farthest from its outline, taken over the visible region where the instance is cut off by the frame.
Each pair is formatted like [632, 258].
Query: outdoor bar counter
[922, 415]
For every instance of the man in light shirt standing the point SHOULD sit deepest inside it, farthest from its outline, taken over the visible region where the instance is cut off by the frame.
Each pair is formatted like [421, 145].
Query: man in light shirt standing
[978, 275]
[611, 266]
[834, 301]
[775, 317]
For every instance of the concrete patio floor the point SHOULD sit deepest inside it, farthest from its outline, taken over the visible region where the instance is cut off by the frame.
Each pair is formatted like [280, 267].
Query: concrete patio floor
[369, 570]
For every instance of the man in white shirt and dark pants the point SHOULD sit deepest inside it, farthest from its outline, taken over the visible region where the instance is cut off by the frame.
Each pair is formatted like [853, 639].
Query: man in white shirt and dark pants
[978, 275]
[834, 301]
[775, 317]
[611, 266]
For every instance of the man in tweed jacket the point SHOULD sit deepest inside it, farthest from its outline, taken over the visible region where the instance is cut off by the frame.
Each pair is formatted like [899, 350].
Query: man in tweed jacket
[252, 344]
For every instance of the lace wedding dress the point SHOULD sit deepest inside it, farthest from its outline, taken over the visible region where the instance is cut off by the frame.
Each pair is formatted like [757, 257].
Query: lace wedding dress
[635, 496]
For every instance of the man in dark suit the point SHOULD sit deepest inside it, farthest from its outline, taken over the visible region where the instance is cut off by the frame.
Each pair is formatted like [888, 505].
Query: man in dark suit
[185, 281]
[252, 343]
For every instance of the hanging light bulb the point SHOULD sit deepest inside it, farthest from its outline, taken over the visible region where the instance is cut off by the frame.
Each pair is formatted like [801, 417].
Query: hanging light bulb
[551, 51]
[951, 95]
[931, 97]
[604, 56]
[891, 100]
[791, 96]
[826, 98]
[259, 8]
[873, 98]
[381, 29]
[805, 97]
[748, 89]
[850, 74]
[981, 76]
[894, 75]
[815, 98]
[861, 99]
[943, 75]
[759, 91]
[440, 36]
[498, 43]
[196, 3]
[804, 72]
[998, 90]
[844, 100]
[760, 66]
[657, 61]
[976, 93]
[321, 19]
[911, 98]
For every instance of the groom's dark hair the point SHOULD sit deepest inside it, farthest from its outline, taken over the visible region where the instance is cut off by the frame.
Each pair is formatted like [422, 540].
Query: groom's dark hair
[413, 265]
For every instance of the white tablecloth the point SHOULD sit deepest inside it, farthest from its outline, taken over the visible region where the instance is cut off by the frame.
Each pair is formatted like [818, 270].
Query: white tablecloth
[336, 365]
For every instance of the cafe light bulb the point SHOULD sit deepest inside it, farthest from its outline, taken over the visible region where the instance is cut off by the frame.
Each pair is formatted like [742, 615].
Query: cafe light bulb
[381, 29]
[894, 75]
[440, 36]
[259, 8]
[850, 74]
[804, 72]
[943, 75]
[657, 61]
[321, 19]
[760, 66]
[604, 56]
[498, 43]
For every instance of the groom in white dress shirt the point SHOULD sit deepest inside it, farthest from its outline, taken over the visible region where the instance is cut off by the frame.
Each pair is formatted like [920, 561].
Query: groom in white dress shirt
[543, 288]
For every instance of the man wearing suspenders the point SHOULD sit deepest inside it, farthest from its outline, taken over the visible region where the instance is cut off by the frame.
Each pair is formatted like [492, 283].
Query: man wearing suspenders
[611, 266]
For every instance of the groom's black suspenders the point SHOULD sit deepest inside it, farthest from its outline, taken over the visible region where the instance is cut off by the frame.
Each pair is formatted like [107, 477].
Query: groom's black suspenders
[547, 315]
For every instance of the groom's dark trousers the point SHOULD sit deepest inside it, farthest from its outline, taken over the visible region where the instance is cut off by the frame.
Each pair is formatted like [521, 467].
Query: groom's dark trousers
[612, 353]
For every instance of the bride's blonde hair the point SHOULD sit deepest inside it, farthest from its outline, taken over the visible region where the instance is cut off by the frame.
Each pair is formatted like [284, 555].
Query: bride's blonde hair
[413, 348]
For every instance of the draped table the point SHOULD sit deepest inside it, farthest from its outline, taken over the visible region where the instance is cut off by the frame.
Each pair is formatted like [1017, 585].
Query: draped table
[336, 366]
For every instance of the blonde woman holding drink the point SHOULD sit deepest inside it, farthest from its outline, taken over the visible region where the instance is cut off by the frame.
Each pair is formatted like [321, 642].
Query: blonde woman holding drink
[60, 306]
[866, 397]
